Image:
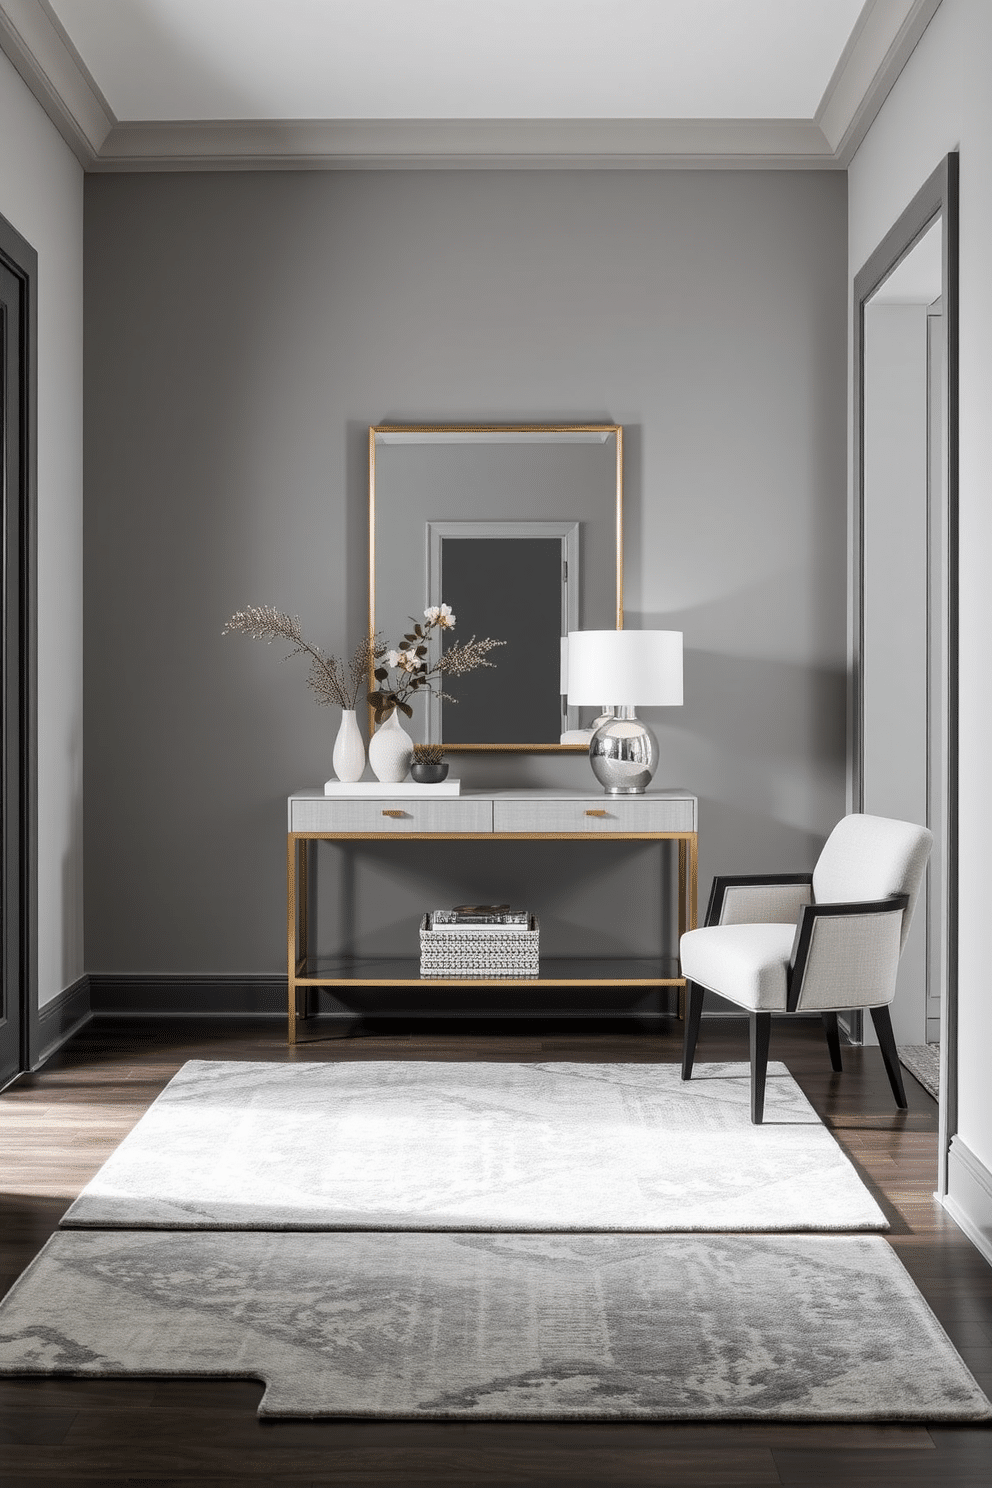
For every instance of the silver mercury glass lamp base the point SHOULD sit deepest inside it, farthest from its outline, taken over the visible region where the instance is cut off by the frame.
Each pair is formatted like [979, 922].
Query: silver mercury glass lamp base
[623, 753]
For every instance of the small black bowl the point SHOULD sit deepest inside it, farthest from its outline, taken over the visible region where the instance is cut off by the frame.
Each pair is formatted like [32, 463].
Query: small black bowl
[428, 774]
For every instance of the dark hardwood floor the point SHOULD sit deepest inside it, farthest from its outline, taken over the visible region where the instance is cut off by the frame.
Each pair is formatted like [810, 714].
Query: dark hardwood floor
[58, 1126]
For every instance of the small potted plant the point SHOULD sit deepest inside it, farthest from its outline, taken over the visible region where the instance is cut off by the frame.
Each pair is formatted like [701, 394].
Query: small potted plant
[428, 767]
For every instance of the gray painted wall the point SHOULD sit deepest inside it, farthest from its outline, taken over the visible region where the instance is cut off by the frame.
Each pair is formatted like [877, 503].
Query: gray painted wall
[41, 194]
[242, 332]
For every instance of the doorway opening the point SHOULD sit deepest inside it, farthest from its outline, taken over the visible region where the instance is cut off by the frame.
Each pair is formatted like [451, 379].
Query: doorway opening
[903, 743]
[18, 700]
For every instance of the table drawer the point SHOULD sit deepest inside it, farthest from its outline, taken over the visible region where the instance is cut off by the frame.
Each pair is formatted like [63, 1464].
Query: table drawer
[390, 817]
[598, 814]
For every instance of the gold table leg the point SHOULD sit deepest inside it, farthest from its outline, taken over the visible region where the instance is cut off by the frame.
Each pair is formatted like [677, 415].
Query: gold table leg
[303, 878]
[688, 892]
[291, 931]
[683, 888]
[297, 903]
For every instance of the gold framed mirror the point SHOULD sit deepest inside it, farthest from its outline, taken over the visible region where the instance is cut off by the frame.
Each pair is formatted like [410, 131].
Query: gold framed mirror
[519, 528]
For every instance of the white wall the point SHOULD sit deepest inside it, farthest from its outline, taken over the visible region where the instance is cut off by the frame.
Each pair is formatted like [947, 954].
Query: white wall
[41, 194]
[943, 101]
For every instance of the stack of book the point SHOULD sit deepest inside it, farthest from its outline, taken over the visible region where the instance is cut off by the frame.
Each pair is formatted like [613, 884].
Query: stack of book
[494, 943]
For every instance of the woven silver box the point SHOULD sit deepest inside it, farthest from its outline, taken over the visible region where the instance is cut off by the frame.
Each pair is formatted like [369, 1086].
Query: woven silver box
[479, 950]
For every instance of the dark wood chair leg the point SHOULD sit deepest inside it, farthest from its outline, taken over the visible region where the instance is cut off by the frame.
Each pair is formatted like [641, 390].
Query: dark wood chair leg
[833, 1040]
[761, 1029]
[693, 1013]
[883, 1027]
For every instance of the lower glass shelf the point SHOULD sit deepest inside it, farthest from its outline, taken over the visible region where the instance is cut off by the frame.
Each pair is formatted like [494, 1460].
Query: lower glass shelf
[555, 971]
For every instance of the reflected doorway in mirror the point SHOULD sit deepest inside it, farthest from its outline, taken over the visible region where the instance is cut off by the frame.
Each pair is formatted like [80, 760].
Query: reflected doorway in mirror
[520, 581]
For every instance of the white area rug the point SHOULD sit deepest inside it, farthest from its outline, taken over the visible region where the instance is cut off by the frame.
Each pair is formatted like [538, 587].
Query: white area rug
[655, 1327]
[435, 1146]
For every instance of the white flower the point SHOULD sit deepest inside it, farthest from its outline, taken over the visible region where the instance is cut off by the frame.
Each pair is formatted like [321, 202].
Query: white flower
[407, 660]
[440, 615]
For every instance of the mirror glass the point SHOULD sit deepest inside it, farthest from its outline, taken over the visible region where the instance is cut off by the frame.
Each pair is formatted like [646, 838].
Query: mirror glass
[518, 529]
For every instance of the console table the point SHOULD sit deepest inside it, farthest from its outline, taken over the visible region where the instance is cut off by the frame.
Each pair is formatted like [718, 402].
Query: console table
[507, 815]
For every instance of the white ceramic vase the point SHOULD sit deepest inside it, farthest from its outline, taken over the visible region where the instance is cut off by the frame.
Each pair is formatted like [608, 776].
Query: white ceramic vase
[349, 748]
[390, 751]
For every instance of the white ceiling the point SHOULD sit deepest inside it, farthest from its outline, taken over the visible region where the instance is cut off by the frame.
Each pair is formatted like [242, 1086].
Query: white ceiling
[201, 83]
[460, 59]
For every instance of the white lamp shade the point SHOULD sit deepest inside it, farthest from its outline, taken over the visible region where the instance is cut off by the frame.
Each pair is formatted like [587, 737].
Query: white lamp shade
[636, 668]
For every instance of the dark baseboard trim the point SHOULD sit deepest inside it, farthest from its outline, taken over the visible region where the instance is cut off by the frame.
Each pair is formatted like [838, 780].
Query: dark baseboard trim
[119, 996]
[63, 1016]
[115, 995]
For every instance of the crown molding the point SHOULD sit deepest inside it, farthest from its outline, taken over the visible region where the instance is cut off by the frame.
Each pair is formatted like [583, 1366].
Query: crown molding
[886, 33]
[879, 48]
[35, 43]
[460, 144]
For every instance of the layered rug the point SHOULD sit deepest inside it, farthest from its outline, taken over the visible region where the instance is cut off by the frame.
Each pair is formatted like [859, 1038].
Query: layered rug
[923, 1063]
[448, 1146]
[648, 1327]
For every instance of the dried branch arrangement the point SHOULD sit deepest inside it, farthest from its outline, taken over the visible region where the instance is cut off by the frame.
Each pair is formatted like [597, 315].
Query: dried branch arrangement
[327, 677]
[413, 669]
[332, 682]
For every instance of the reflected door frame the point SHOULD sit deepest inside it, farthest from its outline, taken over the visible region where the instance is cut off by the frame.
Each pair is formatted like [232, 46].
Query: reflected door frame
[938, 197]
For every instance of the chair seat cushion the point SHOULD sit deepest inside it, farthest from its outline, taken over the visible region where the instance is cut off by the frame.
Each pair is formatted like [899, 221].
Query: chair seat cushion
[748, 964]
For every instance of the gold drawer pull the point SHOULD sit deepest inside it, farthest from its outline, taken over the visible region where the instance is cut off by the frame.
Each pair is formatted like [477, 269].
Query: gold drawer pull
[597, 813]
[394, 813]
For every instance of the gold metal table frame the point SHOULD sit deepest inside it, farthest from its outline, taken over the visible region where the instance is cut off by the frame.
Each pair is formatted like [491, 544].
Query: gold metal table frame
[555, 972]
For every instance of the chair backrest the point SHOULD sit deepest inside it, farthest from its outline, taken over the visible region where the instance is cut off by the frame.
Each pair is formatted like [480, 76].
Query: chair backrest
[871, 857]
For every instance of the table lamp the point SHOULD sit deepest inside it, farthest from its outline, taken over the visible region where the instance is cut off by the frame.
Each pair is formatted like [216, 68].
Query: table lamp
[617, 670]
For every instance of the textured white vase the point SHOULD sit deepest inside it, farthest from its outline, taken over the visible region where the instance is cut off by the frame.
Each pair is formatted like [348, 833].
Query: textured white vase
[390, 751]
[349, 748]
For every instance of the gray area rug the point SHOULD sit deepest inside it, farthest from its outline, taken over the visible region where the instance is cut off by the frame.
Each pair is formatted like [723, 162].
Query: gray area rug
[474, 1146]
[923, 1062]
[656, 1327]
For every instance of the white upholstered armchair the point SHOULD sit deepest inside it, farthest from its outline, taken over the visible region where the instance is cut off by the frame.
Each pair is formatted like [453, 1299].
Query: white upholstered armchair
[824, 942]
